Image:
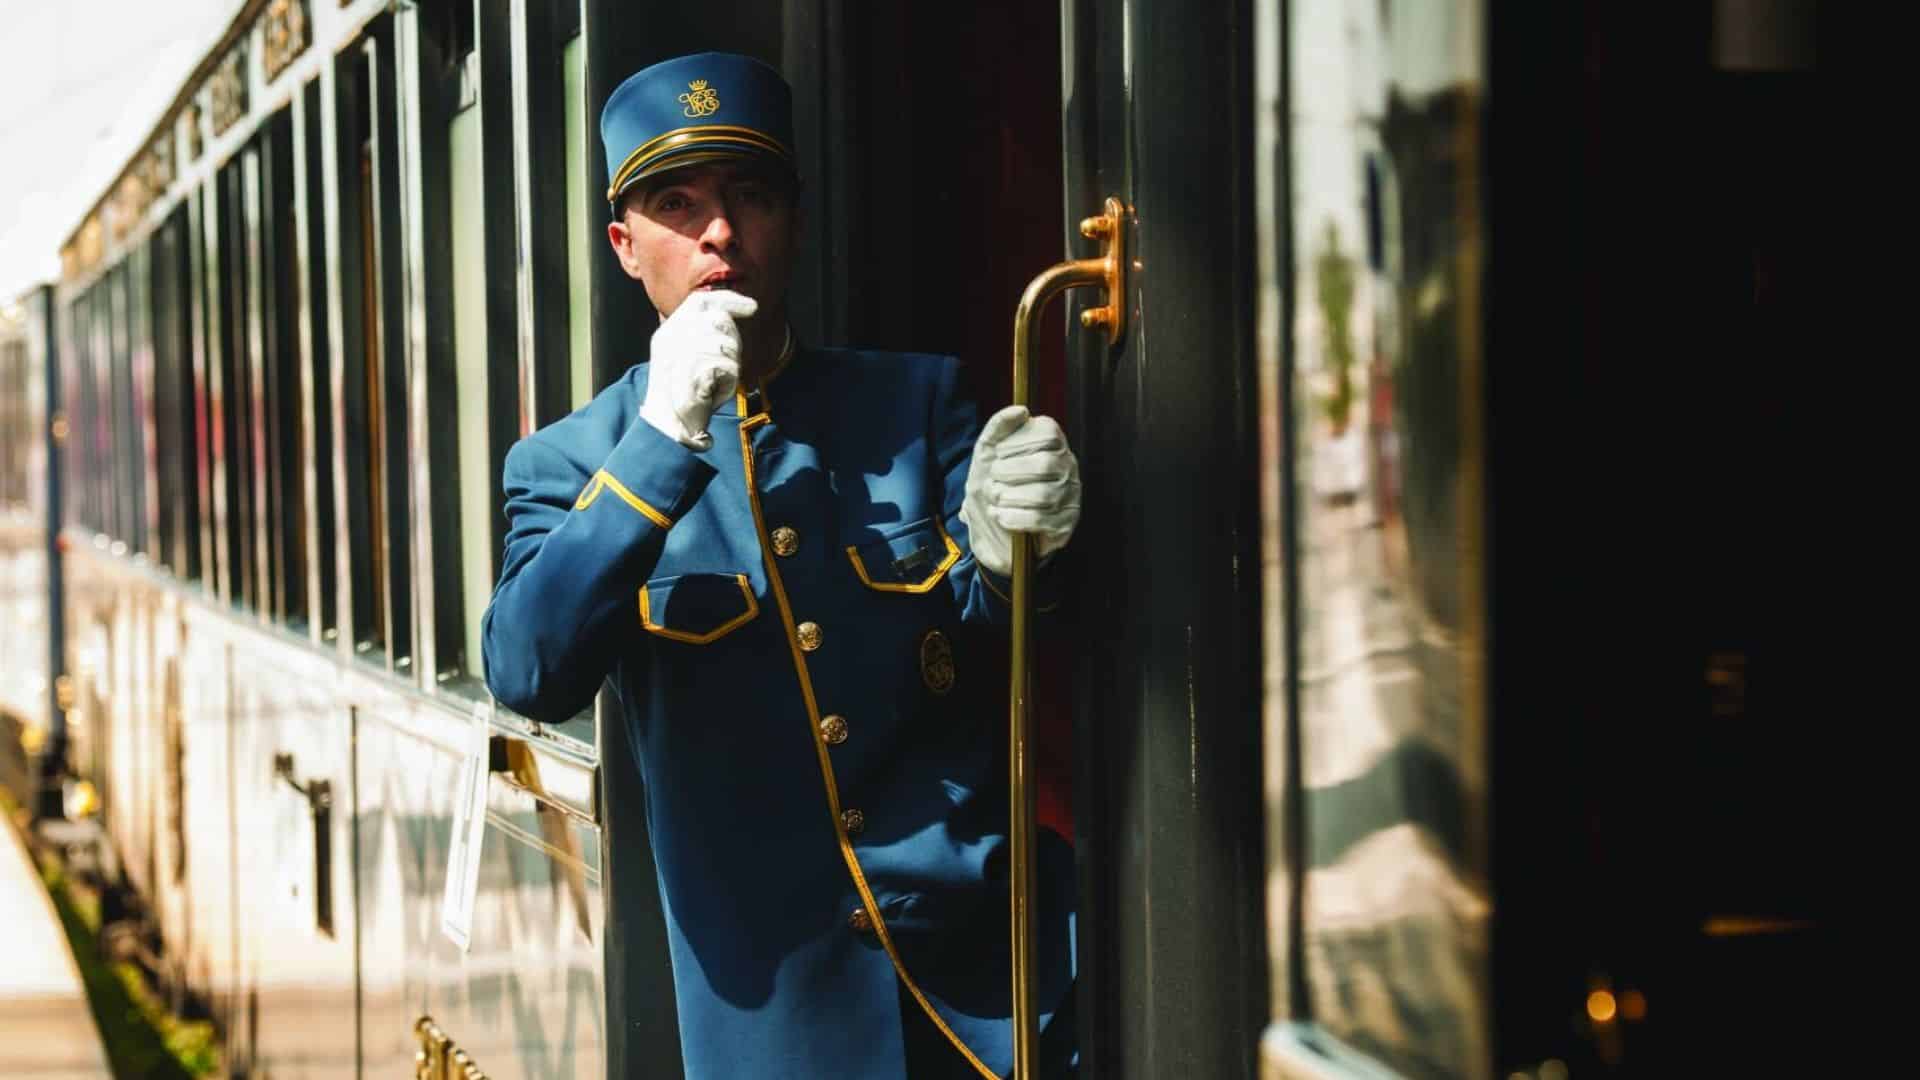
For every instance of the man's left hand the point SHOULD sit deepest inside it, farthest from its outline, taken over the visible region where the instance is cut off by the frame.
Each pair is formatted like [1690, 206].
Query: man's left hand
[1024, 478]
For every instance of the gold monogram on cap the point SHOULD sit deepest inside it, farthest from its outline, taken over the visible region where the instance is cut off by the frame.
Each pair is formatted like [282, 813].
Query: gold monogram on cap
[700, 99]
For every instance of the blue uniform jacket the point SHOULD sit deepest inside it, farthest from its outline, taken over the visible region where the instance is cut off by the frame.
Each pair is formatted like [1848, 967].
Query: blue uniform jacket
[788, 620]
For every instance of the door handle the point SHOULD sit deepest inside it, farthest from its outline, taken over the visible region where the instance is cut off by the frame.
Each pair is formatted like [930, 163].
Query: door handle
[518, 767]
[1108, 271]
[437, 1058]
[319, 796]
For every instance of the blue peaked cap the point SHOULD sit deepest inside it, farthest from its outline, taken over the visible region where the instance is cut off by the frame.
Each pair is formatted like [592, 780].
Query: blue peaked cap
[693, 109]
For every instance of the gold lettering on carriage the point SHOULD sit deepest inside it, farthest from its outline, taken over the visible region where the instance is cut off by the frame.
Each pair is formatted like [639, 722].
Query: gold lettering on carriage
[700, 99]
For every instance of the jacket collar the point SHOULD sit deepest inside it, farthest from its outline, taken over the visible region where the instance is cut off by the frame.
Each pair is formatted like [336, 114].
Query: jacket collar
[740, 405]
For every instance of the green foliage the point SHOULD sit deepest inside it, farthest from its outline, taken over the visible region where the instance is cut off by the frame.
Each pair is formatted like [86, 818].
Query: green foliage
[1333, 280]
[141, 1037]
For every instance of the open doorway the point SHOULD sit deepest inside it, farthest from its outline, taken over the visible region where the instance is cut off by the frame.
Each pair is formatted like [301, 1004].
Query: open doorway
[942, 149]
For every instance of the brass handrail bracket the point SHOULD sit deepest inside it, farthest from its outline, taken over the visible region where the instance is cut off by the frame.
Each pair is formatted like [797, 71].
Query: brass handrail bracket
[1108, 271]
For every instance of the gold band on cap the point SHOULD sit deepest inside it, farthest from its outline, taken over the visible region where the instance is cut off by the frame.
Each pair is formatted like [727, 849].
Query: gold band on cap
[743, 137]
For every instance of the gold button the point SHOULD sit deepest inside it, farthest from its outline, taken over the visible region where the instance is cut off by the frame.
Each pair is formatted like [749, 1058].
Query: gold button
[785, 541]
[861, 922]
[854, 820]
[936, 662]
[809, 633]
[834, 730]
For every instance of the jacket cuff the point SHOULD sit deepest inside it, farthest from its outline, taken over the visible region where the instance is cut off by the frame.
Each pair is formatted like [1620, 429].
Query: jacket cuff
[1045, 581]
[652, 474]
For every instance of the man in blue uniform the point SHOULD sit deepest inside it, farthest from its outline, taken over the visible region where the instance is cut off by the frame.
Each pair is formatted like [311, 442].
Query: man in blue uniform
[779, 555]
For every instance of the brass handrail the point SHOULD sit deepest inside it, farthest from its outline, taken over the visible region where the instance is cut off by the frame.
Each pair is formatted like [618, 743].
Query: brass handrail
[1109, 272]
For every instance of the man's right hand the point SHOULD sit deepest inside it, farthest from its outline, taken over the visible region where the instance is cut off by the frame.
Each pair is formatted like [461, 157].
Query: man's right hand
[695, 364]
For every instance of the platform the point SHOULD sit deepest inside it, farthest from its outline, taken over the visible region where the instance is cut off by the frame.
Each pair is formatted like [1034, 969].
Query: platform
[47, 1030]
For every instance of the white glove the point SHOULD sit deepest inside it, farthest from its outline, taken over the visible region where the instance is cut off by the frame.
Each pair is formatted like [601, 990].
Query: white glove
[695, 364]
[1023, 479]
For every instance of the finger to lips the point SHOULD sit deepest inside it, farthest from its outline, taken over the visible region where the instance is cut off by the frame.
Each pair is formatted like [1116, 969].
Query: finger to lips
[736, 305]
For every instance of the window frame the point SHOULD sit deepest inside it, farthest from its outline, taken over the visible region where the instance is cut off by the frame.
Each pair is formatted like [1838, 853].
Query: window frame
[371, 351]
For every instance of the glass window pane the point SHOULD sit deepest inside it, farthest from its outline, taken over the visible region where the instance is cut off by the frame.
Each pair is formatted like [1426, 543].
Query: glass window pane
[1384, 111]
[140, 319]
[579, 229]
[163, 388]
[285, 412]
[312, 287]
[471, 356]
[129, 432]
[236, 411]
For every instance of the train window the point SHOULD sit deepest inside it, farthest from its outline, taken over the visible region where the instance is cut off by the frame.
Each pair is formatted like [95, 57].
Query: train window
[201, 331]
[73, 449]
[13, 391]
[366, 458]
[549, 286]
[1383, 942]
[573, 66]
[129, 433]
[314, 335]
[216, 387]
[161, 330]
[450, 29]
[140, 316]
[19, 434]
[83, 432]
[99, 379]
[117, 417]
[100, 376]
[85, 428]
[13, 420]
[234, 401]
[284, 418]
[378, 499]
[158, 393]
[511, 334]
[106, 340]
[256, 435]
[9, 399]
[176, 491]
[474, 348]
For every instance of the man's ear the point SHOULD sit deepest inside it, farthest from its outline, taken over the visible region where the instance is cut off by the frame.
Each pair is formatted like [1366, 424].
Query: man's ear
[621, 238]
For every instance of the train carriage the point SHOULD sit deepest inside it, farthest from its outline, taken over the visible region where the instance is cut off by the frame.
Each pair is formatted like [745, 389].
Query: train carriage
[251, 513]
[31, 663]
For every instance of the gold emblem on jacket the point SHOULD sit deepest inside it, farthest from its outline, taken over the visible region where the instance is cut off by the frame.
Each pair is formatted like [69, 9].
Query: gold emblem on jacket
[936, 662]
[700, 99]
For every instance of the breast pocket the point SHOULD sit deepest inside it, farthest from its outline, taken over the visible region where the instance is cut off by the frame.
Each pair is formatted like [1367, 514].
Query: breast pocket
[698, 609]
[911, 560]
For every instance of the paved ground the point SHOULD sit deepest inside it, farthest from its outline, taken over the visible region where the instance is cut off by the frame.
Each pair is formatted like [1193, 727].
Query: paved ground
[46, 1029]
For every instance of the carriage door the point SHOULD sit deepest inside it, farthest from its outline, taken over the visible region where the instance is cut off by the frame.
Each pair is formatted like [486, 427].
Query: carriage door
[960, 158]
[1167, 667]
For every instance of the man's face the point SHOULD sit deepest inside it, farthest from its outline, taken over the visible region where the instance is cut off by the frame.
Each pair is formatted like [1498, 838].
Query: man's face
[723, 226]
